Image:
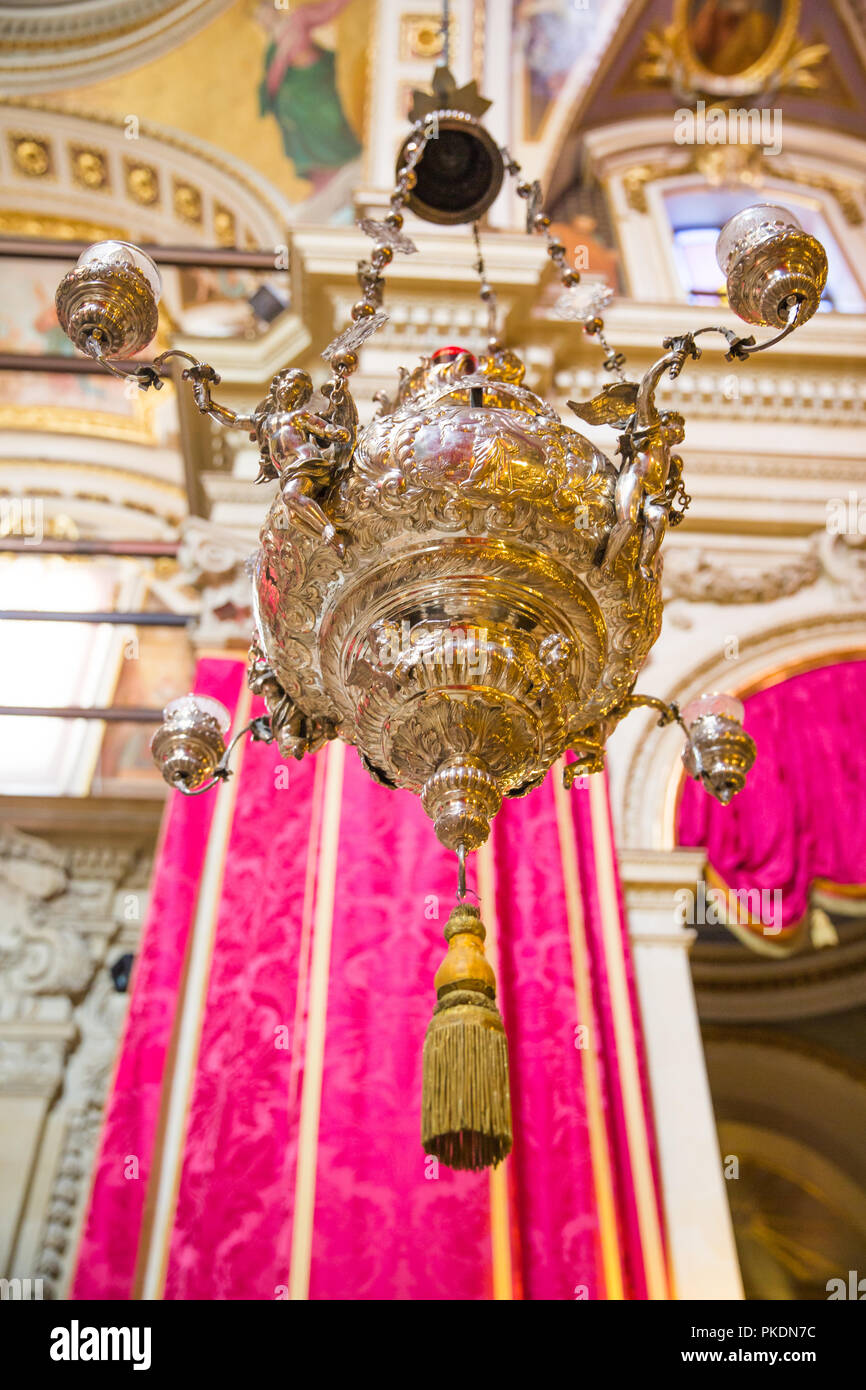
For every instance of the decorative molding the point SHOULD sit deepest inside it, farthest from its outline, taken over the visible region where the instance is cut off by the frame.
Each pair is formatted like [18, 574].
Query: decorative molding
[66, 913]
[214, 561]
[170, 190]
[47, 47]
[723, 165]
[824, 396]
[700, 576]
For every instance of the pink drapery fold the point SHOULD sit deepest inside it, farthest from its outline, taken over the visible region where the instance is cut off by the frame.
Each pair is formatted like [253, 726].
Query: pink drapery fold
[622, 1143]
[234, 1207]
[560, 1237]
[110, 1240]
[802, 815]
[389, 1222]
[386, 1224]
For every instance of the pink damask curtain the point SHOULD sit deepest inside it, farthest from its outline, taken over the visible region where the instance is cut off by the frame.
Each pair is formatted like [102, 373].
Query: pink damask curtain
[801, 817]
[302, 1173]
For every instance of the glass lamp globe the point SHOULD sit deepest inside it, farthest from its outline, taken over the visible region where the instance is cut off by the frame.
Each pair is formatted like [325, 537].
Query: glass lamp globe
[718, 751]
[123, 253]
[771, 265]
[727, 706]
[188, 745]
[107, 305]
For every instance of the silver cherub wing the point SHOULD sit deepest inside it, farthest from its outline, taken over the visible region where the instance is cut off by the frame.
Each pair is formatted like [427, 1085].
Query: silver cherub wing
[613, 405]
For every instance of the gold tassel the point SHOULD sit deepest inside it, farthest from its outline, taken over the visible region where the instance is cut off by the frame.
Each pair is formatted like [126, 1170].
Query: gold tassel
[466, 1107]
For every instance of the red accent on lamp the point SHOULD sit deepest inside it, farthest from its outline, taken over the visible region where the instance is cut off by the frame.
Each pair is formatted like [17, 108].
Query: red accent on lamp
[451, 353]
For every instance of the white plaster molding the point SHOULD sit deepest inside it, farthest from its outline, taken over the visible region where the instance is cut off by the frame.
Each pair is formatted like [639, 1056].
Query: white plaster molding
[66, 913]
[697, 1220]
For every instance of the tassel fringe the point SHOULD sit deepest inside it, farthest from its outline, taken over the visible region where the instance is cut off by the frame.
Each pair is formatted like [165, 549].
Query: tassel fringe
[466, 1112]
[466, 1109]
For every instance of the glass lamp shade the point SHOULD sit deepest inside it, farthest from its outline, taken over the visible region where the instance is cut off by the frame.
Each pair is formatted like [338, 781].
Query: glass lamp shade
[749, 228]
[107, 305]
[123, 253]
[188, 745]
[193, 706]
[727, 706]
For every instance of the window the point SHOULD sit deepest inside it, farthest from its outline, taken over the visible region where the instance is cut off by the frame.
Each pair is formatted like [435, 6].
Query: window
[58, 663]
[696, 218]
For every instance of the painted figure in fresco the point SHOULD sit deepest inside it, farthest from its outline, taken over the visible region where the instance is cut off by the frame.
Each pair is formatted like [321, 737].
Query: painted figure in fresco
[300, 89]
[552, 35]
[728, 36]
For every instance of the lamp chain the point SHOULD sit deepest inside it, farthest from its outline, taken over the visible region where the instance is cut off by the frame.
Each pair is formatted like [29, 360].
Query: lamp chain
[387, 238]
[486, 292]
[538, 221]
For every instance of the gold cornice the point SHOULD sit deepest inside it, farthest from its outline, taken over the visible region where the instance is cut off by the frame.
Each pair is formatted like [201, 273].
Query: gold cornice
[86, 42]
[77, 40]
[54, 228]
[173, 519]
[58, 419]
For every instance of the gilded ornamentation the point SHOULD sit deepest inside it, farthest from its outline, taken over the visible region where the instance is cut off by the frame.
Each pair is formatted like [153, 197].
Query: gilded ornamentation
[31, 155]
[650, 477]
[298, 449]
[421, 36]
[59, 228]
[295, 734]
[89, 168]
[468, 503]
[754, 53]
[224, 226]
[745, 164]
[142, 183]
[187, 202]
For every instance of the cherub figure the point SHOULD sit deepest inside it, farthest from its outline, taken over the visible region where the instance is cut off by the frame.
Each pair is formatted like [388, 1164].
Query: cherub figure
[643, 493]
[298, 448]
[650, 474]
[296, 733]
